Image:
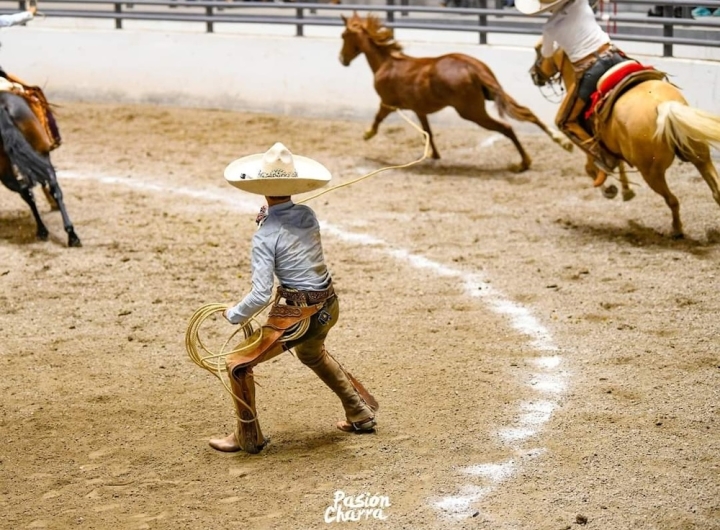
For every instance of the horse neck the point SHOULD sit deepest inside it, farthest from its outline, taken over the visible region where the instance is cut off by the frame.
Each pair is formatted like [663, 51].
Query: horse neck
[567, 72]
[376, 55]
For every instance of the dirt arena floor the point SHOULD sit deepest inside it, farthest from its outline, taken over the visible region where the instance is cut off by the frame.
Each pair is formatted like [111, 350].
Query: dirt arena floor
[544, 358]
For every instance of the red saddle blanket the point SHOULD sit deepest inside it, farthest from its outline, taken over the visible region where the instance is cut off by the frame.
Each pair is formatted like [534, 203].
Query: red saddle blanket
[611, 79]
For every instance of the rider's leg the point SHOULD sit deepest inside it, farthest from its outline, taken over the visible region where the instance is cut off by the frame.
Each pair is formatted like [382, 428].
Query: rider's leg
[567, 122]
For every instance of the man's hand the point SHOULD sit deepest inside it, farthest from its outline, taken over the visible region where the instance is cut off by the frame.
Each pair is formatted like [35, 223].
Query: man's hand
[225, 314]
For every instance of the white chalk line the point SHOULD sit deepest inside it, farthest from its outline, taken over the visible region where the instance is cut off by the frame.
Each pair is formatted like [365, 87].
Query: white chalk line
[547, 379]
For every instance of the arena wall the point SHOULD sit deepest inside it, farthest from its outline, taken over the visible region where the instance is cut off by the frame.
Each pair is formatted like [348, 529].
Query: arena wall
[279, 74]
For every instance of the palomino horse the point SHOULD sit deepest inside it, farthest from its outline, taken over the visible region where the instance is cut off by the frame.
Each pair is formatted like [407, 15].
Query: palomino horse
[25, 161]
[648, 126]
[427, 85]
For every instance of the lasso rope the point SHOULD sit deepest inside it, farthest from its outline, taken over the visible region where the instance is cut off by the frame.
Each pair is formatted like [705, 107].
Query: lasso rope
[252, 330]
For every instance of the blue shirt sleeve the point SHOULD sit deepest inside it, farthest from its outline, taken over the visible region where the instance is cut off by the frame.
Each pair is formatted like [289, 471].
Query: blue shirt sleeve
[263, 265]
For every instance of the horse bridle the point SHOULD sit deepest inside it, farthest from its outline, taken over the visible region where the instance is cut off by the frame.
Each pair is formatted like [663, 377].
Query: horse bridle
[554, 81]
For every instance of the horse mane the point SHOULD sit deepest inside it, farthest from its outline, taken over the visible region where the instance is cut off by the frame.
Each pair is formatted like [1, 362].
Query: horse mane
[381, 36]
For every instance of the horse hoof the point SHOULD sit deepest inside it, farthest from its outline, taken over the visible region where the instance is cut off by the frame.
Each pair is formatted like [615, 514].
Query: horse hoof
[74, 240]
[678, 235]
[628, 195]
[368, 135]
[43, 236]
[610, 192]
[568, 146]
[519, 168]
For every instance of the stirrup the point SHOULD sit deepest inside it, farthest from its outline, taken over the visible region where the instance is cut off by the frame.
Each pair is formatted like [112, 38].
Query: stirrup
[357, 426]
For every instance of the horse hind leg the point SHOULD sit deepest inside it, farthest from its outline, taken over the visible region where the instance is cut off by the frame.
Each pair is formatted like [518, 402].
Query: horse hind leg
[57, 195]
[701, 159]
[627, 193]
[28, 196]
[525, 114]
[655, 177]
[50, 199]
[480, 116]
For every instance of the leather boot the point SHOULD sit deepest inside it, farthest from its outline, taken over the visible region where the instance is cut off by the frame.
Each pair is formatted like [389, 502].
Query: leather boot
[357, 410]
[247, 436]
[602, 158]
[248, 431]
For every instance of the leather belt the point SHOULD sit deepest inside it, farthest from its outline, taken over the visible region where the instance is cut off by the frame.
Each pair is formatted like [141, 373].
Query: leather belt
[596, 54]
[309, 297]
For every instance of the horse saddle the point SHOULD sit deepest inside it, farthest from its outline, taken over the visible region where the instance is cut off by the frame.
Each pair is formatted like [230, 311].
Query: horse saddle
[614, 83]
[38, 104]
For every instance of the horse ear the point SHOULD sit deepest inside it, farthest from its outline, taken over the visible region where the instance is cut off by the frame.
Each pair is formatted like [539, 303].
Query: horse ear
[343, 18]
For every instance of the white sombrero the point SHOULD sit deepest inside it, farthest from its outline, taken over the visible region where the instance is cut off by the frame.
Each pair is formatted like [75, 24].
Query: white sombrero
[277, 173]
[531, 7]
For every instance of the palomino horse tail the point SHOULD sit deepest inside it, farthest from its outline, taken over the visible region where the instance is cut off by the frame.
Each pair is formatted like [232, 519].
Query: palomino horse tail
[681, 125]
[33, 168]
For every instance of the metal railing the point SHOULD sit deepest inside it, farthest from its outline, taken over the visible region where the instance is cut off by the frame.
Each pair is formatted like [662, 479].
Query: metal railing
[668, 30]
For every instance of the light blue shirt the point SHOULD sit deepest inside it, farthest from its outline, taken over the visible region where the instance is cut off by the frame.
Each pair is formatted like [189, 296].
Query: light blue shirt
[286, 245]
[15, 18]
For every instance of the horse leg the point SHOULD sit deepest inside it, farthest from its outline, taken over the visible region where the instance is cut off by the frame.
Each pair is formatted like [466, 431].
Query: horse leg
[655, 178]
[610, 191]
[56, 193]
[627, 193]
[50, 199]
[521, 113]
[426, 127]
[699, 155]
[29, 198]
[479, 115]
[383, 112]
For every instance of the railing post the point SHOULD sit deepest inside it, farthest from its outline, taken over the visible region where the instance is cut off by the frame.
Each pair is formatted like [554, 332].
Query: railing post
[668, 12]
[209, 25]
[118, 12]
[299, 29]
[404, 3]
[390, 15]
[22, 6]
[482, 21]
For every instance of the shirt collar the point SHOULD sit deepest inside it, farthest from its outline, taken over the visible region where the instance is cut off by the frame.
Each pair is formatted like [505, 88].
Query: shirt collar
[282, 206]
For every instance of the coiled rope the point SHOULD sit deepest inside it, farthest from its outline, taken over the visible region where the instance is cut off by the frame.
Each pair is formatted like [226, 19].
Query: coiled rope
[211, 361]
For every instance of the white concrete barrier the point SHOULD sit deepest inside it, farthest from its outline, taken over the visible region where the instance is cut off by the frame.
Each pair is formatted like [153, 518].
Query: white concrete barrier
[267, 73]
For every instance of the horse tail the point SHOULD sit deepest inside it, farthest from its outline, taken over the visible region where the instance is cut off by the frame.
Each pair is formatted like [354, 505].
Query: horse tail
[33, 167]
[504, 103]
[681, 125]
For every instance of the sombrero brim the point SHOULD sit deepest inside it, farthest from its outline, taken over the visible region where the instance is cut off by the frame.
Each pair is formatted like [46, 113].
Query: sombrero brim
[532, 7]
[243, 174]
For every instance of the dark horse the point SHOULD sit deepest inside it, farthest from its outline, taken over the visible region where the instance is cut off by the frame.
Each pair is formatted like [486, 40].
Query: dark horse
[428, 84]
[25, 161]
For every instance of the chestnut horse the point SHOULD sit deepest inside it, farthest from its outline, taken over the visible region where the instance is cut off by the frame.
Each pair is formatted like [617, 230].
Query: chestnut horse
[427, 85]
[25, 161]
[649, 125]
